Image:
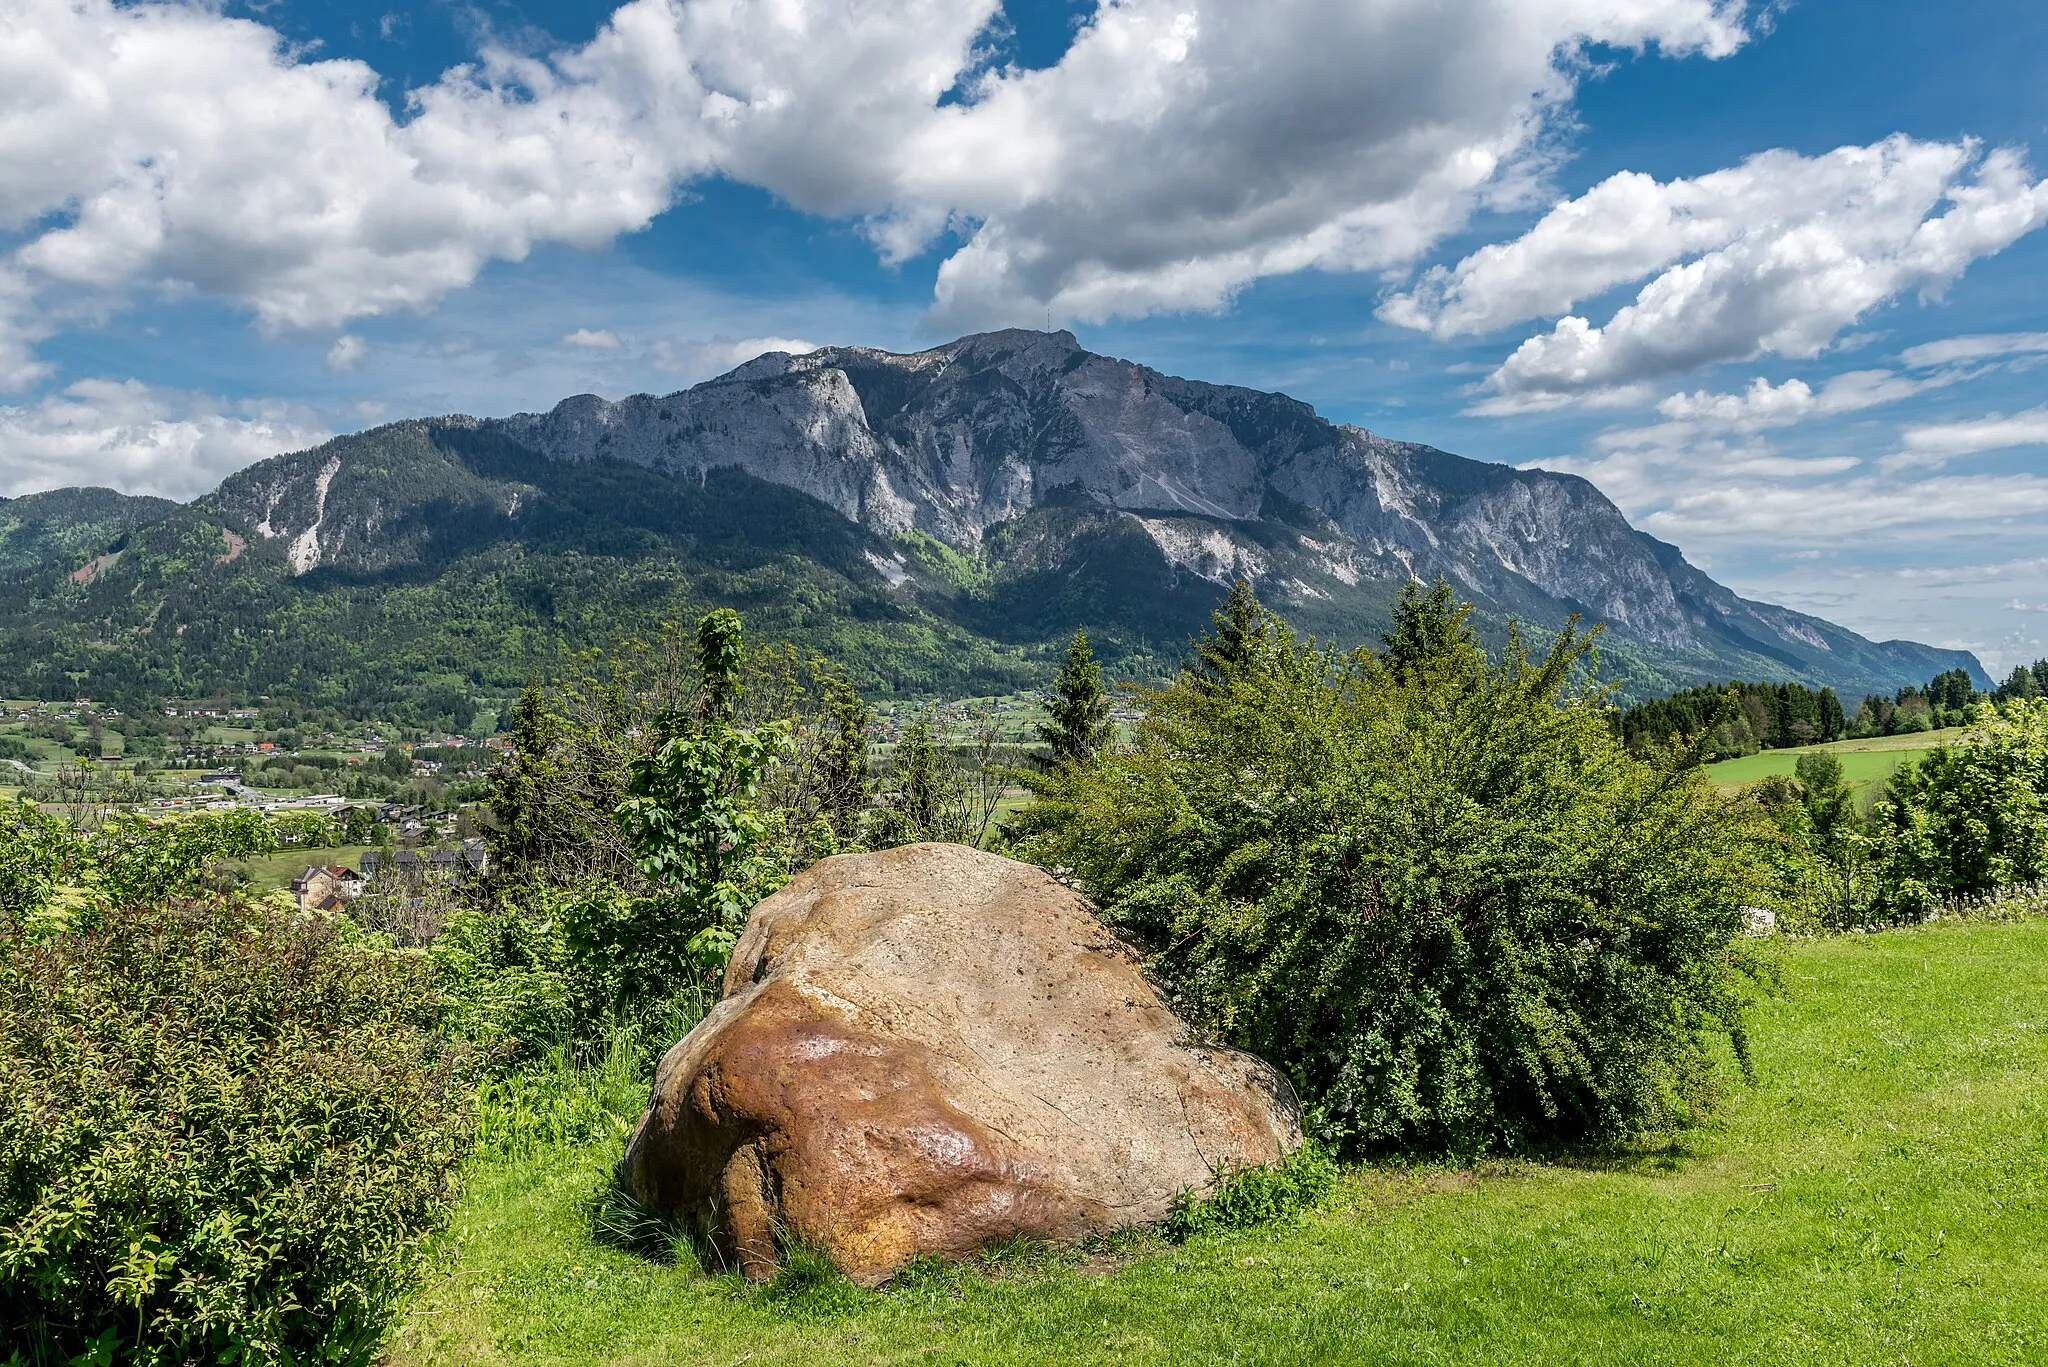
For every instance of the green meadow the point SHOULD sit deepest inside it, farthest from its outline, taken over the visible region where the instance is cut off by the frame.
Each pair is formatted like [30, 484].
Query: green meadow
[1877, 1194]
[277, 870]
[1865, 763]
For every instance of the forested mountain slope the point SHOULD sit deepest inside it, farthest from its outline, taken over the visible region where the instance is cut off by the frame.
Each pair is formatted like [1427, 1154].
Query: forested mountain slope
[938, 521]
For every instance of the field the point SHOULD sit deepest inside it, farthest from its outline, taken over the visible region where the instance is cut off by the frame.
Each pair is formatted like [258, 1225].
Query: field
[278, 870]
[1864, 762]
[1878, 1195]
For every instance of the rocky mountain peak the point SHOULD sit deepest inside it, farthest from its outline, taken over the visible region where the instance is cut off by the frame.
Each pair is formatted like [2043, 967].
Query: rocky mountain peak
[1028, 455]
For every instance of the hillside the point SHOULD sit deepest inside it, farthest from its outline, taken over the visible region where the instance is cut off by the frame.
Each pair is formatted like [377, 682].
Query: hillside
[67, 525]
[938, 521]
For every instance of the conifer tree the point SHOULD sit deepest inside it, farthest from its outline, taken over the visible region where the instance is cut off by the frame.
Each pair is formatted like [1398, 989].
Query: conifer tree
[1427, 626]
[1832, 722]
[921, 785]
[520, 786]
[720, 650]
[843, 758]
[1079, 724]
[1237, 632]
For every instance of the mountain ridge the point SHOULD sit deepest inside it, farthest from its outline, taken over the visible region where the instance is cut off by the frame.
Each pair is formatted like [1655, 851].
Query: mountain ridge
[1177, 461]
[944, 518]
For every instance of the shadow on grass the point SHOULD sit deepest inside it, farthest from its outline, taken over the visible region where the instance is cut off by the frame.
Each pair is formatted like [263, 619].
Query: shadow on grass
[618, 1221]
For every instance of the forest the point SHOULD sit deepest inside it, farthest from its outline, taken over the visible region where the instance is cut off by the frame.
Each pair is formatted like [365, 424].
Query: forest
[1727, 721]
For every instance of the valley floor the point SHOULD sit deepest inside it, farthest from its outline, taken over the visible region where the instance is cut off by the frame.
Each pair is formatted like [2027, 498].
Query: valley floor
[1879, 1195]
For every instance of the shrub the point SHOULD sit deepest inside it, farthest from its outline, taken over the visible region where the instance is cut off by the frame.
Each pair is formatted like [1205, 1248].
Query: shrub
[1431, 885]
[54, 879]
[1967, 820]
[504, 973]
[1822, 877]
[1253, 1196]
[37, 853]
[225, 1135]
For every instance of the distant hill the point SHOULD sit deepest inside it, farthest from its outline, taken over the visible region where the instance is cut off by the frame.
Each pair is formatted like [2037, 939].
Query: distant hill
[65, 525]
[939, 522]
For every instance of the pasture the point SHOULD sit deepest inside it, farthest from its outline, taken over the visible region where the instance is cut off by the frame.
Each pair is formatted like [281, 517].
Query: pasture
[1878, 1193]
[1866, 764]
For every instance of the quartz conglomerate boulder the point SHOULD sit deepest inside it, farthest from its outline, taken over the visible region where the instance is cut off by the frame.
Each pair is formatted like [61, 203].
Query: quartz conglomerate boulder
[926, 1049]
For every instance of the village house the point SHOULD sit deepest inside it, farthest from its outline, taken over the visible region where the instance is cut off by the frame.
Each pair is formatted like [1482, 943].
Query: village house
[325, 888]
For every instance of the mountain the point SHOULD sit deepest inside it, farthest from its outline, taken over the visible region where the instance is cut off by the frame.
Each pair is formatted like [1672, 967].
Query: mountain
[939, 521]
[68, 525]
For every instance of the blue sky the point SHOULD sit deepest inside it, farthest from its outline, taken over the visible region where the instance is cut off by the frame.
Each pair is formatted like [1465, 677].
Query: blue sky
[1773, 277]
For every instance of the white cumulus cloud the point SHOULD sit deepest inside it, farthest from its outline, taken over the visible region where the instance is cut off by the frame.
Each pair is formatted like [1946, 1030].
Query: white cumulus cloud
[1179, 150]
[128, 436]
[592, 339]
[347, 354]
[1777, 256]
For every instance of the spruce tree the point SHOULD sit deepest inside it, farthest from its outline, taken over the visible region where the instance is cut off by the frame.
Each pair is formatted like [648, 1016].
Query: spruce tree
[921, 786]
[1237, 632]
[1832, 722]
[522, 836]
[720, 650]
[1079, 724]
[1427, 626]
[843, 759]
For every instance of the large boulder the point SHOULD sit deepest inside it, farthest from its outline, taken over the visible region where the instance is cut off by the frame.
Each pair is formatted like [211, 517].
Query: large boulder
[926, 1049]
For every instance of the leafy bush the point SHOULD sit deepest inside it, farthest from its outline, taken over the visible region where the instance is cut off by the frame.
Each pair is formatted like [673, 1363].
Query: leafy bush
[225, 1135]
[1253, 1196]
[37, 853]
[1967, 820]
[54, 878]
[1822, 876]
[1432, 886]
[504, 971]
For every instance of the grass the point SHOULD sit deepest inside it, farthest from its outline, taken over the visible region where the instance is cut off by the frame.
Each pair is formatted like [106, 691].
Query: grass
[1879, 1195]
[1864, 762]
[278, 870]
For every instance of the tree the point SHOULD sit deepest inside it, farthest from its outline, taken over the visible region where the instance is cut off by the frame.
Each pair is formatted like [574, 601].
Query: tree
[1951, 691]
[720, 653]
[1238, 631]
[1824, 793]
[843, 758]
[1427, 626]
[690, 811]
[1966, 820]
[1079, 724]
[359, 827]
[922, 780]
[1832, 722]
[524, 794]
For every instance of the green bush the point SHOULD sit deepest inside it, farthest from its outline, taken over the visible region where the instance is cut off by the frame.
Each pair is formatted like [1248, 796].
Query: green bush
[1432, 886]
[1967, 820]
[37, 856]
[1254, 1196]
[54, 879]
[225, 1135]
[504, 972]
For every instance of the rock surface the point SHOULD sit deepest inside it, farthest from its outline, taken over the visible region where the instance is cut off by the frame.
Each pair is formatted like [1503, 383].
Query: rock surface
[930, 1048]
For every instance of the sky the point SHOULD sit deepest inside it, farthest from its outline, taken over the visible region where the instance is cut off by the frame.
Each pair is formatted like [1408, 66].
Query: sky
[1772, 276]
